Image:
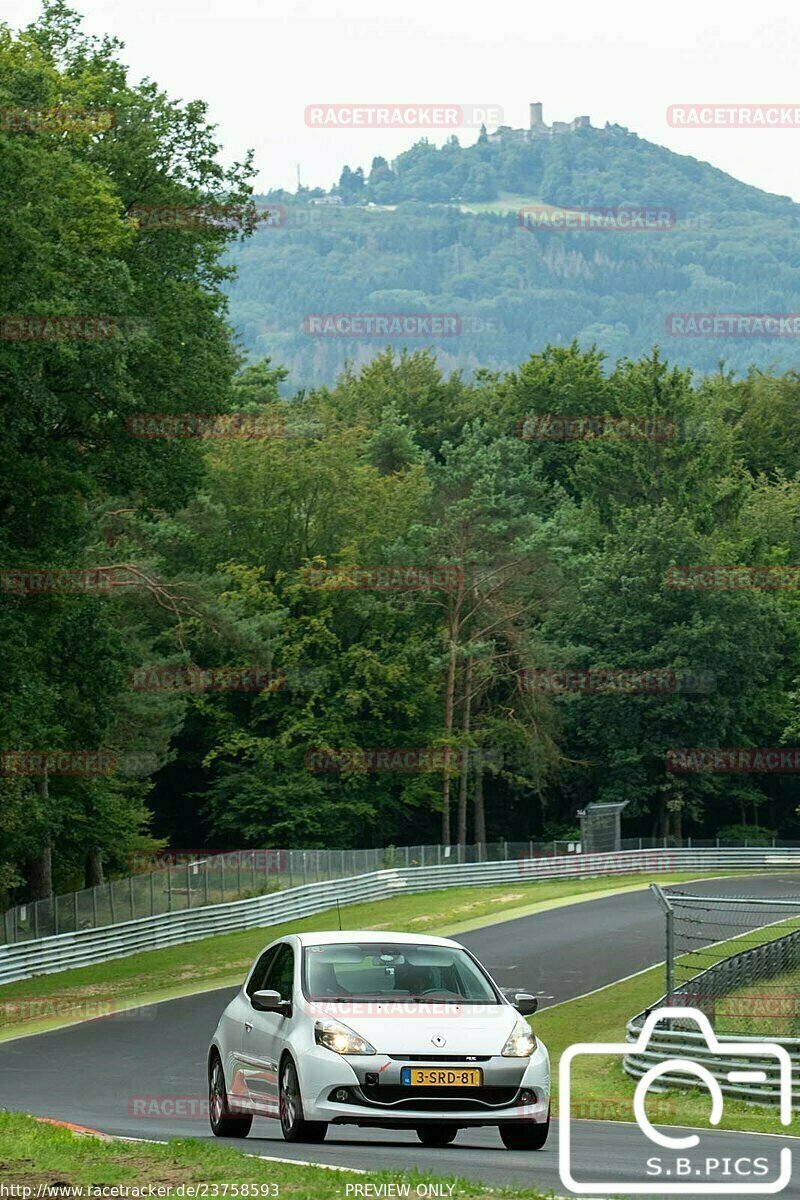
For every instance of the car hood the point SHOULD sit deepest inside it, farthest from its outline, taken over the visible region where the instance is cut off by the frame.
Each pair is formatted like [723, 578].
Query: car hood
[406, 1027]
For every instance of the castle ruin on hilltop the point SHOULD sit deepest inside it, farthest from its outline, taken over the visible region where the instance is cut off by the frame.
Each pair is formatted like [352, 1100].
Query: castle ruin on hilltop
[537, 128]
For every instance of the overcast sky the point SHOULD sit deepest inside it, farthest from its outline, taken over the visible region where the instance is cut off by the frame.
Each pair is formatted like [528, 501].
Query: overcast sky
[259, 63]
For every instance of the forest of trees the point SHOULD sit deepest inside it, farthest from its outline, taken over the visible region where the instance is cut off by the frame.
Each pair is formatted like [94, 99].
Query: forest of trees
[561, 549]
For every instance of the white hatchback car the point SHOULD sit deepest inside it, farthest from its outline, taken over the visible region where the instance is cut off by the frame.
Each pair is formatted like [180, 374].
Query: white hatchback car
[393, 1030]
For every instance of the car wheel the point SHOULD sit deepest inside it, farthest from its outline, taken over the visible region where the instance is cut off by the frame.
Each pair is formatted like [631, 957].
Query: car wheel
[294, 1126]
[223, 1123]
[525, 1135]
[436, 1135]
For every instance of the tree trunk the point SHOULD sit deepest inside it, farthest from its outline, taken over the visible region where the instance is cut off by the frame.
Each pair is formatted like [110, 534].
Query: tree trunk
[478, 810]
[677, 824]
[465, 727]
[449, 703]
[40, 869]
[93, 870]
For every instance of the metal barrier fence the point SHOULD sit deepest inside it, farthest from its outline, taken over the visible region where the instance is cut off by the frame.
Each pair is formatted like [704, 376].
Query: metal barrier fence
[83, 947]
[730, 979]
[198, 880]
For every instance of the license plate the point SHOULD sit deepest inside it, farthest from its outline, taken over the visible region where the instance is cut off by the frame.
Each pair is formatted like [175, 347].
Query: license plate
[441, 1076]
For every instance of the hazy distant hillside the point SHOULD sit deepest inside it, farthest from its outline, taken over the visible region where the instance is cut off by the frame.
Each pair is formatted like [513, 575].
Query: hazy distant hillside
[452, 243]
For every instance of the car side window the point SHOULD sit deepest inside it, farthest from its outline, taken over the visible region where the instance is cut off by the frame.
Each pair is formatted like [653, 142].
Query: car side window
[260, 973]
[280, 973]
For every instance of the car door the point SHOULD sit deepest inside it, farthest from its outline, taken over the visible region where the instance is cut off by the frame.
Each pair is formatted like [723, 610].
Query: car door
[264, 1033]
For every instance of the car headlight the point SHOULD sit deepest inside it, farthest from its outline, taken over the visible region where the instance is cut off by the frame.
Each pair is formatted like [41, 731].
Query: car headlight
[521, 1041]
[340, 1038]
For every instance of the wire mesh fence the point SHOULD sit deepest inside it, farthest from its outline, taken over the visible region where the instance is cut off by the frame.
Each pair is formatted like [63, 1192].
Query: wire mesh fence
[737, 959]
[182, 880]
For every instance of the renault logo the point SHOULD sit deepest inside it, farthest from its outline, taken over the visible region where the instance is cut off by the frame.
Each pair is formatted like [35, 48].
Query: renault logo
[438, 1040]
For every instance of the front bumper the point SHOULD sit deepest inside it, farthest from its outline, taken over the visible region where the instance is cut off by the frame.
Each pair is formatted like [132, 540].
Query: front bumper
[512, 1090]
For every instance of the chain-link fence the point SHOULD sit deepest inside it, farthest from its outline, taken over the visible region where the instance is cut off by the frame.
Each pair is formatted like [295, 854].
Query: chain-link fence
[184, 880]
[735, 958]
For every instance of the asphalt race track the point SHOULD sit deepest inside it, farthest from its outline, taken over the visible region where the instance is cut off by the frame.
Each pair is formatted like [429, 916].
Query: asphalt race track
[93, 1073]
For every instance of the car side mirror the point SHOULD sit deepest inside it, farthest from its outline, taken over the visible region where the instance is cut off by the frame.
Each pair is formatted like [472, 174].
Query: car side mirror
[525, 1004]
[269, 1001]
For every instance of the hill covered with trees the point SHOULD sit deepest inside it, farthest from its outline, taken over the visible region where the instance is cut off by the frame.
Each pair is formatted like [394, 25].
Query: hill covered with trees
[452, 242]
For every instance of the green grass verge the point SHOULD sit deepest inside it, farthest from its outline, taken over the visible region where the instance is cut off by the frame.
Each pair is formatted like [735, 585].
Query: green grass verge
[33, 1154]
[601, 1090]
[49, 1001]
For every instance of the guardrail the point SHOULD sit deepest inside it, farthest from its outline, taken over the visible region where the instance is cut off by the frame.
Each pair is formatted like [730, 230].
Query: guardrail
[176, 880]
[84, 947]
[668, 1041]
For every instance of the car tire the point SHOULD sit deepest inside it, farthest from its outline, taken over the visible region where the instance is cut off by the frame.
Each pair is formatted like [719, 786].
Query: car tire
[525, 1135]
[294, 1126]
[437, 1135]
[223, 1122]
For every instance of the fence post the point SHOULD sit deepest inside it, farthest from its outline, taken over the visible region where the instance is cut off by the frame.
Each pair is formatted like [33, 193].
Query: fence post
[188, 885]
[111, 901]
[669, 964]
[152, 896]
[239, 874]
[169, 889]
[206, 883]
[222, 877]
[75, 906]
[130, 893]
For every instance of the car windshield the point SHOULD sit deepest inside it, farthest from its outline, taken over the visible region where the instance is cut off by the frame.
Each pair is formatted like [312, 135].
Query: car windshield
[372, 971]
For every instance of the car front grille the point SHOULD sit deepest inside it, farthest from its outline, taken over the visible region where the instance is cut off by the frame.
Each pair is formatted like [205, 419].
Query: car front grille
[439, 1099]
[450, 1058]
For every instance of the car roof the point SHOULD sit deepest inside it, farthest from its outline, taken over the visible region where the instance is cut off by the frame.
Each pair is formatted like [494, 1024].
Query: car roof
[380, 936]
